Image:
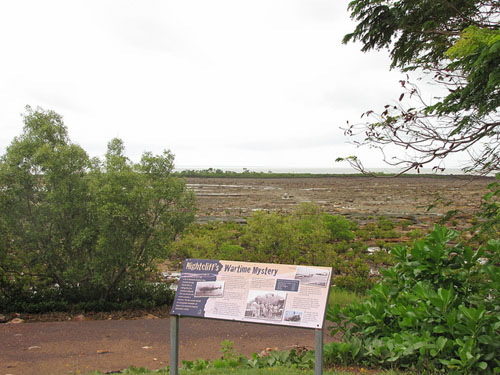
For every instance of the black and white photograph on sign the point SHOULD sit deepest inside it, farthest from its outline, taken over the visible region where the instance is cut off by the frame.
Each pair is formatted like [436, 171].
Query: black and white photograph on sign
[312, 276]
[209, 289]
[293, 316]
[267, 305]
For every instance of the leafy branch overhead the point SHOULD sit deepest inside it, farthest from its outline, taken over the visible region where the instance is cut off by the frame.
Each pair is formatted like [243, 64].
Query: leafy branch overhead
[456, 45]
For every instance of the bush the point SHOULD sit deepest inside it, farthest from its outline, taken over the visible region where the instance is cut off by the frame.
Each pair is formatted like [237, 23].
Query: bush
[306, 236]
[137, 296]
[339, 227]
[437, 309]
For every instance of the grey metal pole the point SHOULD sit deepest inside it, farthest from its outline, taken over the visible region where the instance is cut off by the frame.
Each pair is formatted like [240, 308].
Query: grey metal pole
[318, 352]
[174, 344]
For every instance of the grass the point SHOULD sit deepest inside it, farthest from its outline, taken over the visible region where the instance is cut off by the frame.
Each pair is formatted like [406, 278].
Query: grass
[276, 371]
[263, 371]
[342, 297]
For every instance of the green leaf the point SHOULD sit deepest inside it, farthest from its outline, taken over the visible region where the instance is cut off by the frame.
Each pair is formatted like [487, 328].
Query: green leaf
[441, 342]
[482, 365]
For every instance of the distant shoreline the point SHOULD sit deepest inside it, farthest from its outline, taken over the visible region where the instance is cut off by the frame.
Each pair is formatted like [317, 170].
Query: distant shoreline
[246, 173]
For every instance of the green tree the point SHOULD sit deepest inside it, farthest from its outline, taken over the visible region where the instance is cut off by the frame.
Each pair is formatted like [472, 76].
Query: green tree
[83, 224]
[138, 210]
[43, 199]
[457, 44]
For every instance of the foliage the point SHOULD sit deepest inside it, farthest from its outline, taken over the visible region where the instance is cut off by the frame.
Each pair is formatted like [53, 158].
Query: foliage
[216, 240]
[279, 362]
[76, 224]
[340, 228]
[489, 213]
[140, 295]
[306, 236]
[296, 359]
[219, 173]
[300, 238]
[457, 45]
[352, 273]
[276, 370]
[436, 310]
[343, 297]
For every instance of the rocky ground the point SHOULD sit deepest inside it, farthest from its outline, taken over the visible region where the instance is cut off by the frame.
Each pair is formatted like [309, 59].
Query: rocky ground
[361, 198]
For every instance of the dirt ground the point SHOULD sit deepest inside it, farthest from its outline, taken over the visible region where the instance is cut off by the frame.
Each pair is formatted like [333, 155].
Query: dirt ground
[80, 347]
[405, 198]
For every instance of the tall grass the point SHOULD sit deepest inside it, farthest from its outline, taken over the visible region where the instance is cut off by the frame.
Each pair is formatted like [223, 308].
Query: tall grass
[342, 297]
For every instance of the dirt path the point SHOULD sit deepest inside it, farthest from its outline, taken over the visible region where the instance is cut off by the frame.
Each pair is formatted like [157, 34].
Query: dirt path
[81, 347]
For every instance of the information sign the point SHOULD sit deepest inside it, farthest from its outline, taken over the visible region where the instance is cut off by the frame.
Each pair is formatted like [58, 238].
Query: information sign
[267, 293]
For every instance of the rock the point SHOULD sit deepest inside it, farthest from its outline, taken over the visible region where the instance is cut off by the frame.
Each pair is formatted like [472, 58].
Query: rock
[3, 319]
[16, 321]
[79, 318]
[100, 351]
[266, 351]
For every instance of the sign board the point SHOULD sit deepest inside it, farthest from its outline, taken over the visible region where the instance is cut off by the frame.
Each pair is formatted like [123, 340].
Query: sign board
[280, 294]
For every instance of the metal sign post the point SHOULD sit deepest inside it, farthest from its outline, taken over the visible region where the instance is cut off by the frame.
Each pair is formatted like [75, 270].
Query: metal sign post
[318, 352]
[174, 344]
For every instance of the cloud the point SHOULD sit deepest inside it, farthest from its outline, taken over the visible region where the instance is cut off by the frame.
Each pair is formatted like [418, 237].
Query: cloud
[221, 82]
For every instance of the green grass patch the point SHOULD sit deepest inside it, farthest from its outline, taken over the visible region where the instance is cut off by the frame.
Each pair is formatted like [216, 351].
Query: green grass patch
[275, 371]
[261, 371]
[343, 297]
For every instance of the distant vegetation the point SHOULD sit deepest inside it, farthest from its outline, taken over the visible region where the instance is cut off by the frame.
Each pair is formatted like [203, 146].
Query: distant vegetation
[306, 236]
[246, 173]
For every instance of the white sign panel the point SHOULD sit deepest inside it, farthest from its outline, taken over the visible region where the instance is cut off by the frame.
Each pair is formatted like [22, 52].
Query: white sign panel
[253, 292]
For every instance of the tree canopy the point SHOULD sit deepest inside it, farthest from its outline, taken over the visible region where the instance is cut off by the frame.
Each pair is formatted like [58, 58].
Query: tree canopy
[76, 222]
[457, 44]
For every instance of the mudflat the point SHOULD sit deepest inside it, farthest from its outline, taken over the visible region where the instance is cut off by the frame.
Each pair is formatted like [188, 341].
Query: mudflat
[357, 197]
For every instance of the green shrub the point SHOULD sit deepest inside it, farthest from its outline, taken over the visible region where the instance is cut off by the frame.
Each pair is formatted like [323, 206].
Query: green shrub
[384, 223]
[436, 310]
[306, 236]
[140, 295]
[352, 273]
[339, 227]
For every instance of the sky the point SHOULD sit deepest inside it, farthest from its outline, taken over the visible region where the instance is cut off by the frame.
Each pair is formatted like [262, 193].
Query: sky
[252, 83]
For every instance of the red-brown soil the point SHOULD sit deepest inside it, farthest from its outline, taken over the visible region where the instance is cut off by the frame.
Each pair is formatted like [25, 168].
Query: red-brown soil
[53, 348]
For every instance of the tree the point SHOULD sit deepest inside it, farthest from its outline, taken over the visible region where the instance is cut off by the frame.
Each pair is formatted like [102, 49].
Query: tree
[457, 44]
[139, 209]
[80, 223]
[43, 199]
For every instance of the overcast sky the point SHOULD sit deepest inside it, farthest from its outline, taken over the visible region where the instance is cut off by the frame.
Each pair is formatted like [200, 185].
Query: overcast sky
[249, 83]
